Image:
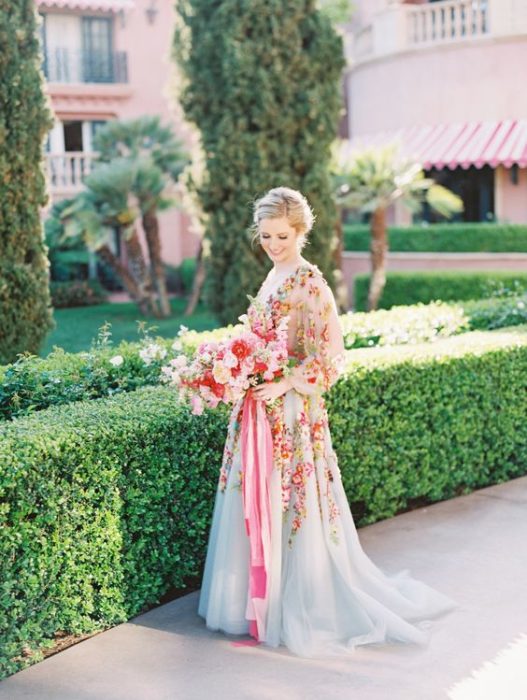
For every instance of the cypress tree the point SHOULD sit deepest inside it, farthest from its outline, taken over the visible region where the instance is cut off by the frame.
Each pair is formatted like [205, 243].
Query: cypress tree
[261, 81]
[25, 313]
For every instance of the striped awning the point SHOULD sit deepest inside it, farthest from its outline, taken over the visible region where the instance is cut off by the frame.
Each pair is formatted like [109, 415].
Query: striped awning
[456, 145]
[93, 5]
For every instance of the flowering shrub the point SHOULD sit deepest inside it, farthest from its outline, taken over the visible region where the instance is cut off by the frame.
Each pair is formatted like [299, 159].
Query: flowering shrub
[32, 384]
[401, 325]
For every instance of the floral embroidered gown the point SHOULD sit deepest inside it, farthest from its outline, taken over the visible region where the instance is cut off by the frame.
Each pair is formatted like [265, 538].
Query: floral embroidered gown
[324, 595]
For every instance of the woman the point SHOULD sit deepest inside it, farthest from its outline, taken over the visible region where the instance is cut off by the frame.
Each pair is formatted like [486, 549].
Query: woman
[296, 573]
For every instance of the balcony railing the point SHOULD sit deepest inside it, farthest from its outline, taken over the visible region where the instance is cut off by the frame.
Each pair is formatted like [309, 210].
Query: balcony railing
[62, 65]
[66, 171]
[400, 27]
[446, 21]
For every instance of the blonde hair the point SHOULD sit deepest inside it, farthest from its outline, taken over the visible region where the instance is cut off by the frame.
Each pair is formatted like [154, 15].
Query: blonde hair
[284, 202]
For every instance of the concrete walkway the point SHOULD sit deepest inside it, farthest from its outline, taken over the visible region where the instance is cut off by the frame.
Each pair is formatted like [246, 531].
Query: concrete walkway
[473, 548]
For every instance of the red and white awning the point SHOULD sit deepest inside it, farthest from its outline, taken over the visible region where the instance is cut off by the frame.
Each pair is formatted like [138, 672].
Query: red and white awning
[93, 5]
[456, 145]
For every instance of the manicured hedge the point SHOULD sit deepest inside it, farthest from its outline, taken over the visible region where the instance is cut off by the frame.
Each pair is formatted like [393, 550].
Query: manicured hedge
[444, 238]
[431, 421]
[404, 288]
[33, 384]
[77, 293]
[107, 504]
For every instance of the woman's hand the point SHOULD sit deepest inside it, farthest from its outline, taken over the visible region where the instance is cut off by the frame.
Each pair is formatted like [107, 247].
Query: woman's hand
[269, 391]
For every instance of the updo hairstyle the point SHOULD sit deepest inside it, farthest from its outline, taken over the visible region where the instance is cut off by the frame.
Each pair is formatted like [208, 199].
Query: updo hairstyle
[280, 202]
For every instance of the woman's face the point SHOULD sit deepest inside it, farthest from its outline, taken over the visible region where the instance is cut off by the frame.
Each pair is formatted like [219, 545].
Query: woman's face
[279, 239]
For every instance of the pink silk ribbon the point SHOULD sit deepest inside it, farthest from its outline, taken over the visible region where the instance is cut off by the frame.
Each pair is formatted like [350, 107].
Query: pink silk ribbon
[257, 465]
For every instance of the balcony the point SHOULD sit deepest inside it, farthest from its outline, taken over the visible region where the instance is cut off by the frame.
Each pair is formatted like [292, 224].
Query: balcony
[66, 172]
[64, 66]
[452, 20]
[401, 27]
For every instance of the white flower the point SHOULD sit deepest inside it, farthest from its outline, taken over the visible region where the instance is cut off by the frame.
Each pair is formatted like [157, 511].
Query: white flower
[169, 375]
[182, 329]
[179, 361]
[230, 360]
[521, 305]
[117, 360]
[220, 373]
[176, 345]
[152, 352]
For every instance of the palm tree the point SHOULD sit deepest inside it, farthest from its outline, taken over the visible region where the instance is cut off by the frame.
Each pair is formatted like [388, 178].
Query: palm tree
[106, 206]
[370, 181]
[158, 159]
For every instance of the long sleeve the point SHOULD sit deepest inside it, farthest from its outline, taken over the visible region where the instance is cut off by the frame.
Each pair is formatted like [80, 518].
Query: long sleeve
[316, 337]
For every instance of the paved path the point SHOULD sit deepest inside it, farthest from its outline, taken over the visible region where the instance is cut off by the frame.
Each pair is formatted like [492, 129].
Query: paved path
[473, 548]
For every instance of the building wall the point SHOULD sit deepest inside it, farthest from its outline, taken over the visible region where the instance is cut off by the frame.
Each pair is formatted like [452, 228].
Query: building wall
[148, 91]
[465, 68]
[448, 83]
[510, 196]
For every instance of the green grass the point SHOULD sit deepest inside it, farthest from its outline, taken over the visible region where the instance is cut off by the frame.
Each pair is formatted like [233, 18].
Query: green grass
[76, 328]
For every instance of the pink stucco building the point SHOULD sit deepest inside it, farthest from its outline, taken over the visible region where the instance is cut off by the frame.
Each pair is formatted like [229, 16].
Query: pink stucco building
[445, 79]
[108, 59]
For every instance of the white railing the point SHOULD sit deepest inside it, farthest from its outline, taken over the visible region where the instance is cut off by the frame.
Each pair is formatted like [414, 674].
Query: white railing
[66, 171]
[449, 20]
[399, 27]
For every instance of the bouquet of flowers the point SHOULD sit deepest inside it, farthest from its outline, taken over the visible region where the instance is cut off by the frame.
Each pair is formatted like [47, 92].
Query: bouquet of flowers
[222, 371]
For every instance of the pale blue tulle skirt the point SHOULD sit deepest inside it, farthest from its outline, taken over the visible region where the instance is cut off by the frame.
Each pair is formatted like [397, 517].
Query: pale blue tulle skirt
[325, 595]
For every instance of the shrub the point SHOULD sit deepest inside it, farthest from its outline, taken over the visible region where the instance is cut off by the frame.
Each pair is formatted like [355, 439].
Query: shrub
[444, 238]
[107, 504]
[187, 270]
[25, 310]
[422, 323]
[266, 126]
[404, 288]
[77, 293]
[430, 421]
[33, 384]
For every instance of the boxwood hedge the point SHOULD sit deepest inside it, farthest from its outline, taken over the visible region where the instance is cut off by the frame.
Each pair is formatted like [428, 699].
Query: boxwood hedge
[33, 384]
[405, 288]
[444, 238]
[106, 504]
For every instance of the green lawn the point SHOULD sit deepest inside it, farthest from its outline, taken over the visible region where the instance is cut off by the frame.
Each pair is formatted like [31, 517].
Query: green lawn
[76, 328]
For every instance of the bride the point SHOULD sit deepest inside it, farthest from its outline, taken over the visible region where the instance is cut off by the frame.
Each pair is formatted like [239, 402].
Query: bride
[284, 562]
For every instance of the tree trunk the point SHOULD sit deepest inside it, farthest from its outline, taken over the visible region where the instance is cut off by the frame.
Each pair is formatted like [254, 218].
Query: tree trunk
[341, 289]
[127, 279]
[151, 229]
[378, 249]
[140, 271]
[197, 285]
